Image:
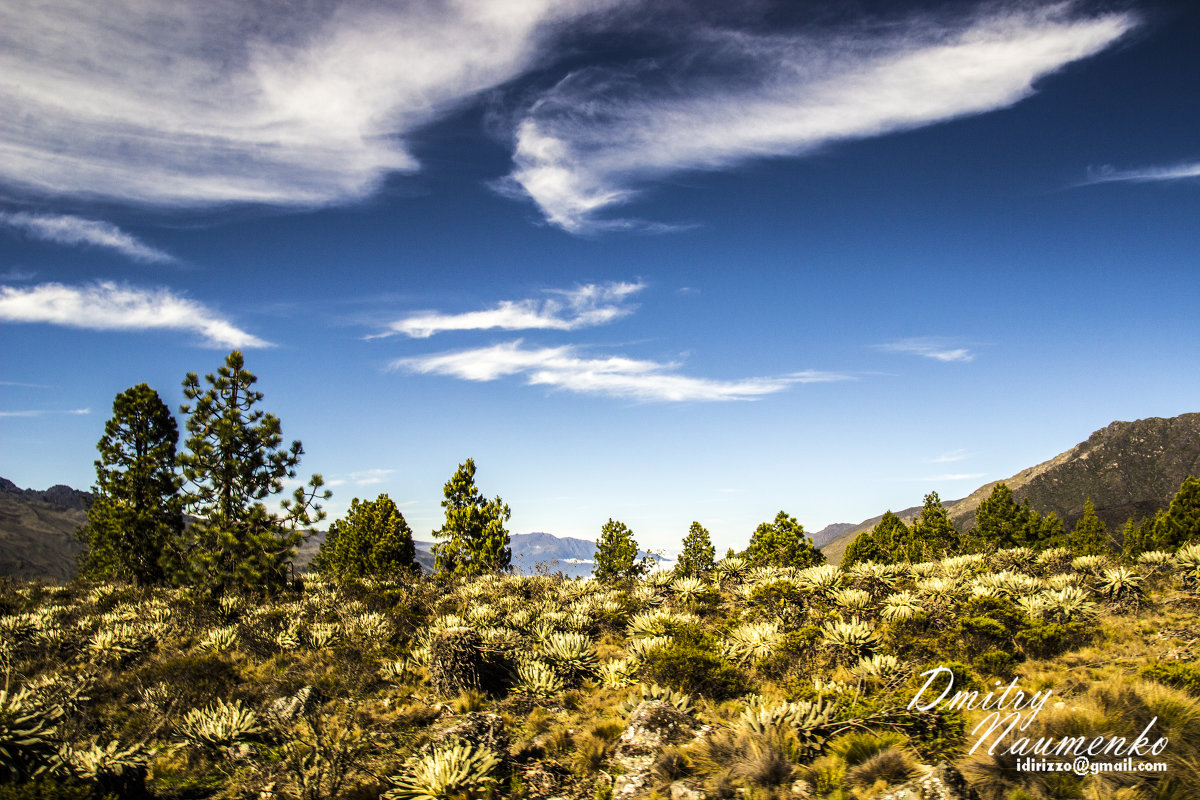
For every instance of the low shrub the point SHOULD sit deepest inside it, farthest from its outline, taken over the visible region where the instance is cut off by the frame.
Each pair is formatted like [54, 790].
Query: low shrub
[692, 663]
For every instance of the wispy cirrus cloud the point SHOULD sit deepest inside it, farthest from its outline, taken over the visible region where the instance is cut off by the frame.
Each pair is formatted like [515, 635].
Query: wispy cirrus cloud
[563, 310]
[179, 103]
[107, 306]
[937, 349]
[614, 376]
[949, 457]
[71, 230]
[370, 477]
[1172, 172]
[42, 412]
[594, 139]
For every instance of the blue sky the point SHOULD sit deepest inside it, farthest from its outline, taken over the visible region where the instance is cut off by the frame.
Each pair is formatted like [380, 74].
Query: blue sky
[660, 262]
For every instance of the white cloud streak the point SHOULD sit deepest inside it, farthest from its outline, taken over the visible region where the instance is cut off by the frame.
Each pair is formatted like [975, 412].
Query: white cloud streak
[950, 457]
[957, 476]
[565, 310]
[590, 142]
[936, 349]
[42, 412]
[184, 103]
[109, 307]
[615, 376]
[370, 477]
[70, 230]
[1174, 172]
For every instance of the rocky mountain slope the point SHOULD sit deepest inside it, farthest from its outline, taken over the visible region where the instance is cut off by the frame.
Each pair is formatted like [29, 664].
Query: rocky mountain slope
[37, 530]
[1128, 469]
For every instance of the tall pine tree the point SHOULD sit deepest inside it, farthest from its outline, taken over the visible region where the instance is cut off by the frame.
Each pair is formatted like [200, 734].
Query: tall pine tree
[476, 540]
[137, 510]
[234, 461]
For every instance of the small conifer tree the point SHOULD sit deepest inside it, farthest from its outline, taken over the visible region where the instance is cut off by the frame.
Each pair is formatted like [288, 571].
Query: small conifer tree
[1180, 524]
[783, 543]
[698, 552]
[1089, 537]
[932, 535]
[372, 541]
[475, 539]
[616, 554]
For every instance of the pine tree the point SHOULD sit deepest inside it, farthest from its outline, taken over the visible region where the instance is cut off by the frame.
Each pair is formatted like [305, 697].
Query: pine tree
[137, 511]
[933, 534]
[616, 554]
[235, 460]
[373, 541]
[863, 548]
[783, 543]
[476, 540]
[893, 538]
[698, 552]
[1000, 522]
[1181, 522]
[1089, 537]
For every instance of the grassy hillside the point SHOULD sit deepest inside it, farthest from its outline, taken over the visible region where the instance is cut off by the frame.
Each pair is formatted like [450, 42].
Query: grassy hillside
[754, 683]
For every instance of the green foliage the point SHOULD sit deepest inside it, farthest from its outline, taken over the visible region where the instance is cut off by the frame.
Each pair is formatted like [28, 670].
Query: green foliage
[865, 548]
[373, 541]
[137, 511]
[932, 534]
[235, 459]
[475, 539]
[1048, 639]
[888, 542]
[783, 543]
[1180, 524]
[698, 552]
[616, 554]
[1089, 536]
[1001, 523]
[51, 789]
[692, 663]
[1180, 674]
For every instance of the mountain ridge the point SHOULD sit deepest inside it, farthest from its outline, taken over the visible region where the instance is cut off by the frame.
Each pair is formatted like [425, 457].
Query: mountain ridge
[1127, 469]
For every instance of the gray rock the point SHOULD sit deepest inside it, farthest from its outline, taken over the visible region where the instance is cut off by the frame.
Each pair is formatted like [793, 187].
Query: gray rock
[652, 726]
[944, 782]
[480, 729]
[286, 711]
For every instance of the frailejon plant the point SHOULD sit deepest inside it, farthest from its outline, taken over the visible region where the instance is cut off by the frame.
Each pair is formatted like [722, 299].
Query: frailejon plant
[219, 725]
[27, 730]
[538, 679]
[753, 642]
[571, 654]
[461, 770]
[652, 692]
